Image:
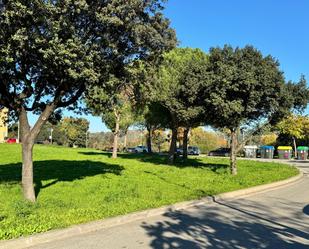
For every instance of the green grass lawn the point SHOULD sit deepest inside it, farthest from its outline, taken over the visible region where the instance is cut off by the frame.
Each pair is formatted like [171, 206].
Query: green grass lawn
[79, 185]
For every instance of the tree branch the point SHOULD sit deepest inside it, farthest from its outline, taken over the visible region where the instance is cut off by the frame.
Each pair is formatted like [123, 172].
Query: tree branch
[72, 100]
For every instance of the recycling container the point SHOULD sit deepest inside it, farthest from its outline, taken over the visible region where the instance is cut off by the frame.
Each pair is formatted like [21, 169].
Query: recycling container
[302, 152]
[267, 151]
[285, 152]
[250, 151]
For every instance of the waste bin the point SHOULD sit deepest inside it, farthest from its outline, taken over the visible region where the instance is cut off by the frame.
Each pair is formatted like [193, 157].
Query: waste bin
[267, 151]
[250, 151]
[302, 152]
[285, 152]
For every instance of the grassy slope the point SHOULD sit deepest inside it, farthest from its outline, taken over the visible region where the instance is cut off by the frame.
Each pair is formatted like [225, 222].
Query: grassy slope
[79, 185]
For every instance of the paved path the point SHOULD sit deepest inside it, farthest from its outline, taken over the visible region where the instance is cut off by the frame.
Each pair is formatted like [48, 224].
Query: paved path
[277, 219]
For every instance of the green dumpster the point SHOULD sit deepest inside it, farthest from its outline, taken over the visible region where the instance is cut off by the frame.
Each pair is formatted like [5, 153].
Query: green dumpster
[285, 152]
[302, 152]
[267, 151]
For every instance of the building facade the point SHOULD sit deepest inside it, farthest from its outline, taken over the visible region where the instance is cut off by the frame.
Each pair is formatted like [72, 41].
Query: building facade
[3, 125]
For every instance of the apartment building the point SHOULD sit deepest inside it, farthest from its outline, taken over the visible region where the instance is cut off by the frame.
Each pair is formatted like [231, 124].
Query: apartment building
[3, 125]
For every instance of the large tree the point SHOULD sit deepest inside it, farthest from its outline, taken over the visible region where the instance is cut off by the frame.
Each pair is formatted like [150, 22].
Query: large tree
[179, 89]
[52, 51]
[245, 87]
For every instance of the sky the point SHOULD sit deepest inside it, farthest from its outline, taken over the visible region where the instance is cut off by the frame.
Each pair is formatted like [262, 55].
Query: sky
[276, 27]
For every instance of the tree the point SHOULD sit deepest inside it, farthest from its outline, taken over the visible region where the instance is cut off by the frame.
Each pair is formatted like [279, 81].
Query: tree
[243, 87]
[75, 131]
[206, 140]
[101, 140]
[268, 139]
[12, 130]
[295, 126]
[179, 89]
[159, 138]
[52, 51]
[155, 117]
[118, 118]
[47, 129]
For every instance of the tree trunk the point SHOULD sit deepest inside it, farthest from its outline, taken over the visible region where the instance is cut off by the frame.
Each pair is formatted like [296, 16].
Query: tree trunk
[233, 152]
[149, 144]
[125, 140]
[185, 143]
[295, 147]
[172, 151]
[27, 170]
[28, 137]
[116, 133]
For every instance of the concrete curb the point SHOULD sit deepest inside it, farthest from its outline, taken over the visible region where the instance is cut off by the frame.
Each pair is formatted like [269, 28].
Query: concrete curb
[58, 234]
[257, 189]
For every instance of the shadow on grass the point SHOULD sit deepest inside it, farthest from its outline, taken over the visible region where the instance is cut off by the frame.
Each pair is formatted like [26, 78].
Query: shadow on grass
[162, 159]
[57, 171]
[95, 153]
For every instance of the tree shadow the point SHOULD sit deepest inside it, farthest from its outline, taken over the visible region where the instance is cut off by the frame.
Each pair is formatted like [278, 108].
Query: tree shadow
[211, 226]
[306, 210]
[94, 153]
[57, 171]
[179, 162]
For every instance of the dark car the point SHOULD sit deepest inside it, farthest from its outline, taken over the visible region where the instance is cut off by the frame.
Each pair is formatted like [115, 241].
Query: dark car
[179, 151]
[220, 152]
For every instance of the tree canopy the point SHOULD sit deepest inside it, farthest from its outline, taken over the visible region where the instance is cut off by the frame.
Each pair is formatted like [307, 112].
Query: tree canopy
[244, 86]
[51, 52]
[179, 89]
[75, 131]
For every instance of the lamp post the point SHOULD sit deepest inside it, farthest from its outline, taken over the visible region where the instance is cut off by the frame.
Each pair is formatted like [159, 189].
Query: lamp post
[51, 135]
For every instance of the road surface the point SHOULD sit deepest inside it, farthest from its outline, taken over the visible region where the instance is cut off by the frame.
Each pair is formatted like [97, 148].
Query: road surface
[277, 219]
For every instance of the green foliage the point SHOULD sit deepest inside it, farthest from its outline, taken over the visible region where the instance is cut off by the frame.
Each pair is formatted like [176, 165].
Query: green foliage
[294, 98]
[268, 139]
[206, 140]
[100, 140]
[126, 114]
[294, 128]
[155, 116]
[79, 185]
[244, 86]
[52, 51]
[159, 138]
[75, 131]
[58, 135]
[44, 55]
[13, 130]
[180, 84]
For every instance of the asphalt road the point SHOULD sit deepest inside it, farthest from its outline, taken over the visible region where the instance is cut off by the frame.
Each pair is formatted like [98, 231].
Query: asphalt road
[277, 219]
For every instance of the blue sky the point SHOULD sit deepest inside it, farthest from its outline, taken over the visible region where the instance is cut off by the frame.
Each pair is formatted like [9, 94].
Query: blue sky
[276, 27]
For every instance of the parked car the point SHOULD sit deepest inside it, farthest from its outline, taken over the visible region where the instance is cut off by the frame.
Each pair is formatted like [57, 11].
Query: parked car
[179, 151]
[110, 149]
[140, 149]
[131, 149]
[220, 152]
[194, 150]
[11, 141]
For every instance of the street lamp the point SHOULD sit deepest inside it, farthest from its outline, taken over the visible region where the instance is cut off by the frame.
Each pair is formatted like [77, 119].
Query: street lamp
[51, 135]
